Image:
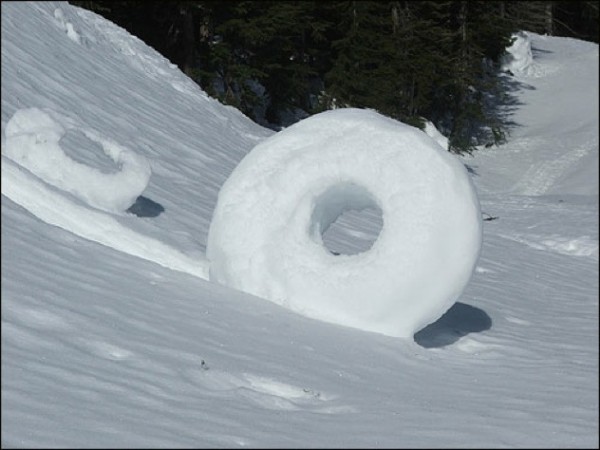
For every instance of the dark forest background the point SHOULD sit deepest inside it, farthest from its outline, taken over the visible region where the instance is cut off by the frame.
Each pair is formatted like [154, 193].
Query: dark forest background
[411, 60]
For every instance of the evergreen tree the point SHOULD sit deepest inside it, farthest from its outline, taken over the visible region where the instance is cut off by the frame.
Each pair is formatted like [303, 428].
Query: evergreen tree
[533, 16]
[577, 19]
[411, 60]
[269, 43]
[361, 75]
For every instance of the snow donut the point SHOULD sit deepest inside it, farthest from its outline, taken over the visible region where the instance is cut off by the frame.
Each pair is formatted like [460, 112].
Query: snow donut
[33, 141]
[265, 237]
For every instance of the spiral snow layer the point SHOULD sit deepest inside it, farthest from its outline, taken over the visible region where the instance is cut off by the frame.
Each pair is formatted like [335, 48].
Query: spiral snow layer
[266, 233]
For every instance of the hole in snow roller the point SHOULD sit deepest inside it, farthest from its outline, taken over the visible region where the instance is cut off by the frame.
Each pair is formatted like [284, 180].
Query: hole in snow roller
[267, 232]
[346, 219]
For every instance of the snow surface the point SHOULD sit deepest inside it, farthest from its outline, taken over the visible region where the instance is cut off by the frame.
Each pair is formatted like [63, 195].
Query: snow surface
[106, 344]
[266, 236]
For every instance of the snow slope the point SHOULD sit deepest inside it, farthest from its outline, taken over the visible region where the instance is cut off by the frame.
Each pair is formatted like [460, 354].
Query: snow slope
[107, 342]
[553, 143]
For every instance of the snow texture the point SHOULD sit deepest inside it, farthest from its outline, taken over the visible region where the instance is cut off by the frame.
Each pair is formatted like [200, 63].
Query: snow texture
[112, 337]
[266, 236]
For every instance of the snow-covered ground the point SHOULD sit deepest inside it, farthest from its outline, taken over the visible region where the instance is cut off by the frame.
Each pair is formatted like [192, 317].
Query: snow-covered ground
[112, 336]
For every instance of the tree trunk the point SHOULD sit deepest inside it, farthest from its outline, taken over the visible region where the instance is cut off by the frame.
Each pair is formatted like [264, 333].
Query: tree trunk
[549, 22]
[462, 19]
[189, 40]
[395, 19]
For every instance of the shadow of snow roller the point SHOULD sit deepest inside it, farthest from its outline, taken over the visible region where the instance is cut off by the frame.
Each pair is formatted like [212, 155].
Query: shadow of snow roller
[266, 233]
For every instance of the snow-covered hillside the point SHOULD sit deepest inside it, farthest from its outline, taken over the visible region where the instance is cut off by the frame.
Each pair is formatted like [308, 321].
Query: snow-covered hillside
[113, 337]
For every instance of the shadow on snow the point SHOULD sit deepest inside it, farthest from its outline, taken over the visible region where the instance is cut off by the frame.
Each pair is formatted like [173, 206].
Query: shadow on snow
[460, 320]
[144, 207]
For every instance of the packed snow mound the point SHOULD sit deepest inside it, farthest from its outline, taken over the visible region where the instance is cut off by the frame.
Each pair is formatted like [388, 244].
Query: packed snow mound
[434, 133]
[519, 58]
[265, 237]
[33, 141]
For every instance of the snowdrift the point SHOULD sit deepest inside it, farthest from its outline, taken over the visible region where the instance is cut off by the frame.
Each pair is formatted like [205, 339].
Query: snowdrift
[112, 337]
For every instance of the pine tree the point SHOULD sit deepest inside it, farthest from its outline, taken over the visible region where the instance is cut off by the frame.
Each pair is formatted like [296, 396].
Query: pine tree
[269, 43]
[530, 15]
[411, 60]
[475, 38]
[373, 66]
[577, 19]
